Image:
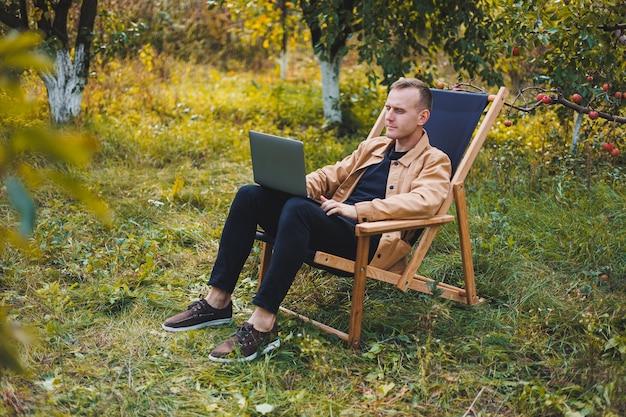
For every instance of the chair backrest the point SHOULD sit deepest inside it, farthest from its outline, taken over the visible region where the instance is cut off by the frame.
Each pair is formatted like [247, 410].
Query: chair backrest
[454, 117]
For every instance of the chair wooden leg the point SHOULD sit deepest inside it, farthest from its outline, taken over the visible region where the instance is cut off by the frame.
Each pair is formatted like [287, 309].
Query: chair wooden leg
[358, 291]
[466, 246]
[266, 257]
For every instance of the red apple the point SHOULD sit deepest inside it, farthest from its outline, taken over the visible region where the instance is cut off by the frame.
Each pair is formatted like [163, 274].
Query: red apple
[589, 78]
[577, 98]
[546, 99]
[608, 146]
[540, 96]
[508, 123]
[593, 114]
[606, 87]
[618, 95]
[440, 84]
[515, 51]
[615, 152]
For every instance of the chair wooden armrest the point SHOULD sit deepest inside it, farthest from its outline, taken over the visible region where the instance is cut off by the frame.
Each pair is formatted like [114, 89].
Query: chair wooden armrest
[376, 228]
[385, 226]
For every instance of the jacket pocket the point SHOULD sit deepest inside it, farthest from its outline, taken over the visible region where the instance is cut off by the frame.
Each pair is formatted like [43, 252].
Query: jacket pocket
[392, 253]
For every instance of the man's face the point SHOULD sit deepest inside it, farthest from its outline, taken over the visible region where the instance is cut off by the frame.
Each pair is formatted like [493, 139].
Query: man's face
[404, 117]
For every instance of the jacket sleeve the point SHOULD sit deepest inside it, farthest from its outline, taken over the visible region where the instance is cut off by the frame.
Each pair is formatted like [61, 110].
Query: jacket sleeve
[325, 181]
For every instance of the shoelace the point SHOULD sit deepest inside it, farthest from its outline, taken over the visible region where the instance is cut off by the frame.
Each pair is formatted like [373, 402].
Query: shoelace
[196, 305]
[243, 333]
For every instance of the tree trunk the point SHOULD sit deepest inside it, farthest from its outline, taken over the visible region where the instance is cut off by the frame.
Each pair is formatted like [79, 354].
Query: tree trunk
[283, 47]
[576, 133]
[283, 62]
[65, 86]
[330, 89]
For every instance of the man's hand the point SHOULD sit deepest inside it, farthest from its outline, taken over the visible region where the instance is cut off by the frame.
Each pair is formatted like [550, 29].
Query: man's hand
[332, 207]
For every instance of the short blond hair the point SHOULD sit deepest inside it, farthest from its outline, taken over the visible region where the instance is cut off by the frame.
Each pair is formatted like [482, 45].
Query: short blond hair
[425, 96]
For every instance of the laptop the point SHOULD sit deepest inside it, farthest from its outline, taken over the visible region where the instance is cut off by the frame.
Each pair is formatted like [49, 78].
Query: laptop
[278, 163]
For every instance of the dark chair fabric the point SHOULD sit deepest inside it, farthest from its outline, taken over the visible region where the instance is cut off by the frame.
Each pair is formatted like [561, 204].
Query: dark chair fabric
[453, 119]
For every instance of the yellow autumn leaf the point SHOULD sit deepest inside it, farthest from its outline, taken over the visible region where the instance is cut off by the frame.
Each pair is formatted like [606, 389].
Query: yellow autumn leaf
[177, 187]
[384, 389]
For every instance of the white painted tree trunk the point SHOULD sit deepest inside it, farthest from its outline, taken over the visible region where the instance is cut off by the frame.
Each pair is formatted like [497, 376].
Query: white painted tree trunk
[576, 133]
[330, 89]
[284, 61]
[65, 86]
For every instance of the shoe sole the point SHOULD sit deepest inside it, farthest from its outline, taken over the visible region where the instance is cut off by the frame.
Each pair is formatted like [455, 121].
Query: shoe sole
[197, 326]
[268, 348]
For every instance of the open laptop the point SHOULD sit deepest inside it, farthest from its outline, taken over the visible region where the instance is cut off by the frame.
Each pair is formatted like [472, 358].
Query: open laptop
[278, 163]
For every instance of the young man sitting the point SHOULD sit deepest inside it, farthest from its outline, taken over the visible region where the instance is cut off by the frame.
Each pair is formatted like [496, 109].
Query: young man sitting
[397, 176]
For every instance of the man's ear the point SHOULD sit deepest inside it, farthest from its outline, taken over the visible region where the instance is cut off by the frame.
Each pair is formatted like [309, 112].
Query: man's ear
[423, 117]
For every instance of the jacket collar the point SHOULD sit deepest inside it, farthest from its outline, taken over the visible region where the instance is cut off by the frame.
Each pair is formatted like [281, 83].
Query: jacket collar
[411, 155]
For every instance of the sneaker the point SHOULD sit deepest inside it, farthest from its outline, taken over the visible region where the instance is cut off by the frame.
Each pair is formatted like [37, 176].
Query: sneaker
[245, 344]
[198, 315]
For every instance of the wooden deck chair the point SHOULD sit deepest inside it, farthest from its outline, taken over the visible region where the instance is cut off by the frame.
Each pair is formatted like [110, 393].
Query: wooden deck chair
[451, 128]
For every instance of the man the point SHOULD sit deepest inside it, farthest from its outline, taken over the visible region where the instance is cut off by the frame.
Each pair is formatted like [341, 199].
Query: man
[399, 176]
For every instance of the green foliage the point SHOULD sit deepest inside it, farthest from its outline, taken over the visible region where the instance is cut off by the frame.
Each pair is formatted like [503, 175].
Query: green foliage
[30, 148]
[560, 44]
[557, 43]
[32, 154]
[400, 38]
[17, 133]
[423, 30]
[16, 53]
[533, 152]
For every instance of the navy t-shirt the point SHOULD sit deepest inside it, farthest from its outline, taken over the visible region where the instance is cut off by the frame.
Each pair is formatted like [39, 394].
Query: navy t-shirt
[373, 183]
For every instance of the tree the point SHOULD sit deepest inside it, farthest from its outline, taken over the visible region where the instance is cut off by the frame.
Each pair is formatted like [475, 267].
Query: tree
[561, 43]
[276, 25]
[573, 53]
[398, 37]
[395, 36]
[52, 18]
[331, 25]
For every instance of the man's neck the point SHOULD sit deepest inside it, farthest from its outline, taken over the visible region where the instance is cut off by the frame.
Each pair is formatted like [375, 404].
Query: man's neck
[406, 144]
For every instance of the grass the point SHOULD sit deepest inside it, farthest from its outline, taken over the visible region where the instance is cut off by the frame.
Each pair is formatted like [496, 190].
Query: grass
[549, 256]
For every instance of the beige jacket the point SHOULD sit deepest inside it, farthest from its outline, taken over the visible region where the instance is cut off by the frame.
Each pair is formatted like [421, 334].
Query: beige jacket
[417, 185]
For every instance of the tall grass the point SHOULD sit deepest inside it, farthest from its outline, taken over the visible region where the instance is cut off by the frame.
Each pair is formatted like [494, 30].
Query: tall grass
[549, 253]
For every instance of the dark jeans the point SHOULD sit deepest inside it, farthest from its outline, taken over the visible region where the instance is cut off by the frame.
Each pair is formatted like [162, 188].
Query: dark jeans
[299, 226]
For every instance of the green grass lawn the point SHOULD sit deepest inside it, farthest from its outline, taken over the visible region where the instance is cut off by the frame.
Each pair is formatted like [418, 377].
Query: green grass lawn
[549, 252]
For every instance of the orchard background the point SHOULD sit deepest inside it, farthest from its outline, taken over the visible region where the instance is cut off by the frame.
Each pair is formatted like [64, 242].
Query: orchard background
[111, 211]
